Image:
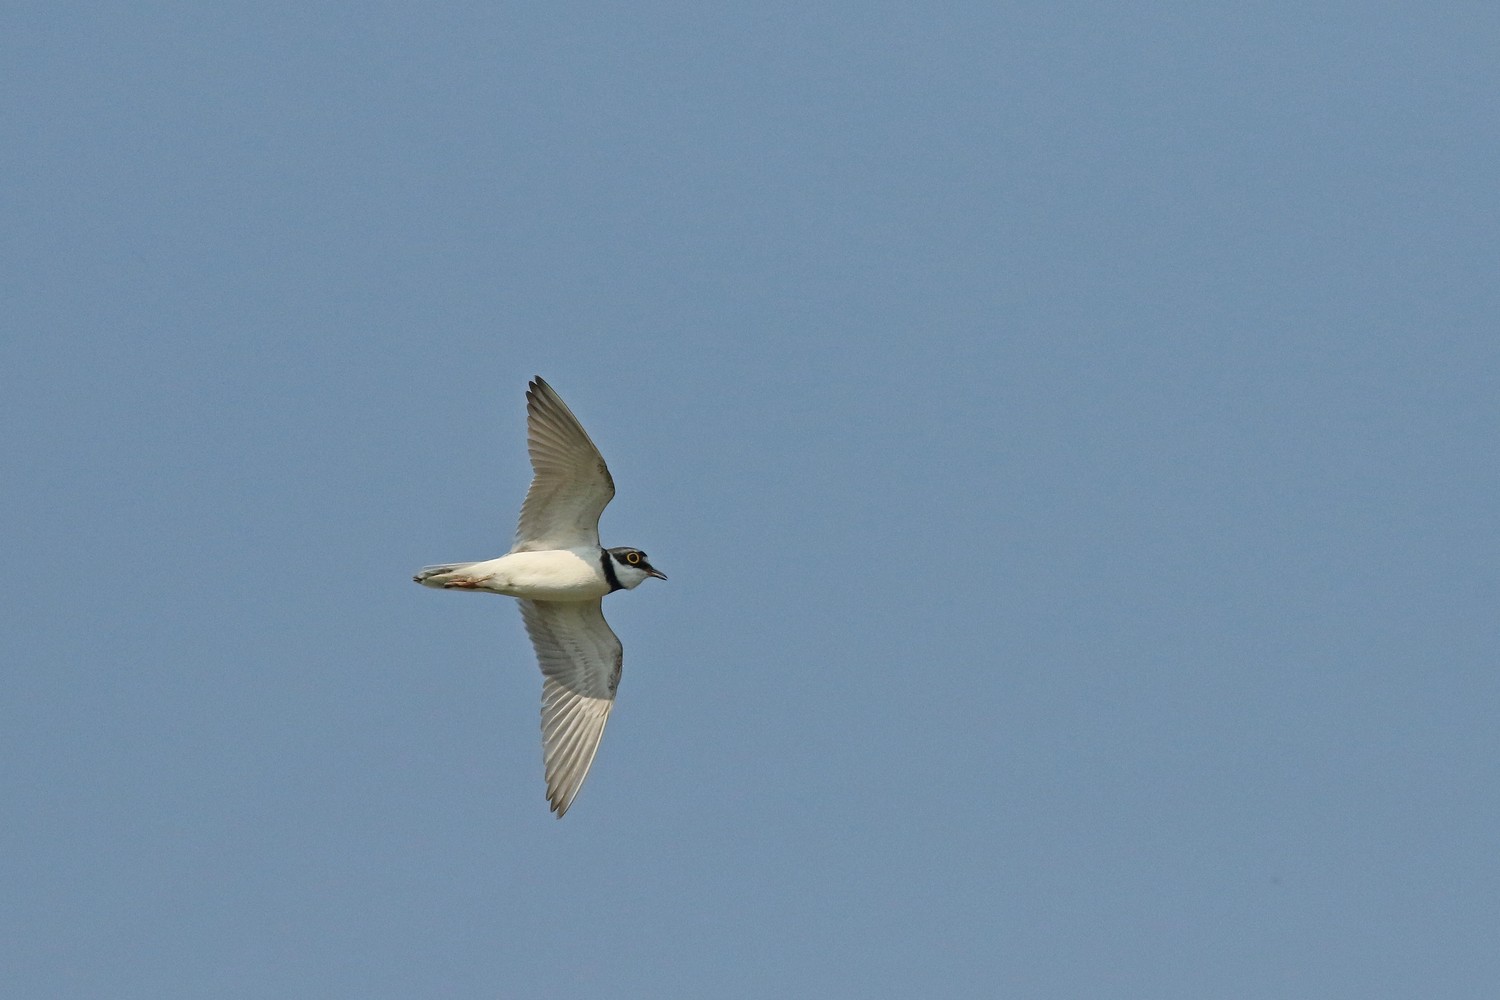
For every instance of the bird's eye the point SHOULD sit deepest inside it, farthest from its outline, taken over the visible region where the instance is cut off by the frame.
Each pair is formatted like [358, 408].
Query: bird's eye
[632, 557]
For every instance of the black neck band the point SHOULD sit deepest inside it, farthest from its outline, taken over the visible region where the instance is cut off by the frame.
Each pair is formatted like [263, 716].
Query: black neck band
[609, 570]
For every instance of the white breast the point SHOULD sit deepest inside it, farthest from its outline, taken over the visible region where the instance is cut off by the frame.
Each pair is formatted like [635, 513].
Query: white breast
[550, 575]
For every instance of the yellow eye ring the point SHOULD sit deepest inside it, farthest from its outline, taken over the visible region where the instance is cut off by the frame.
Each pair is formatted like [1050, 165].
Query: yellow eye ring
[632, 557]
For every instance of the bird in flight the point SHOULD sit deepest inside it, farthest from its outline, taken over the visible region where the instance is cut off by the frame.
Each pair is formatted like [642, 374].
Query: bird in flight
[559, 575]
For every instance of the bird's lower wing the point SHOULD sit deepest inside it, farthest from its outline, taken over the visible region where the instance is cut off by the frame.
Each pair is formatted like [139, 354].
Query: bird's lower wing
[581, 659]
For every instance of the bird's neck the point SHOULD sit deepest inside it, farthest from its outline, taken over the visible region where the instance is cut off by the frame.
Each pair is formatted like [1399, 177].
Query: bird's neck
[610, 575]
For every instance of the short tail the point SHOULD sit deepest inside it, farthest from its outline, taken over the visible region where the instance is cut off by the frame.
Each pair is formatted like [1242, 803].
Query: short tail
[436, 576]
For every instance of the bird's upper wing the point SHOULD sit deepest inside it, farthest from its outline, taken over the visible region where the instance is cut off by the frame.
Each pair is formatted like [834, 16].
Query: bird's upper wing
[581, 658]
[570, 485]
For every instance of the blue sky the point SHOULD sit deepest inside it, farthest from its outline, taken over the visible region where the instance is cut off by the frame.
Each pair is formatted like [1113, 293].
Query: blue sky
[1070, 431]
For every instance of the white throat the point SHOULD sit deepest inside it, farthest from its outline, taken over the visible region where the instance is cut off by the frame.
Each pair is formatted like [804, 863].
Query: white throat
[629, 576]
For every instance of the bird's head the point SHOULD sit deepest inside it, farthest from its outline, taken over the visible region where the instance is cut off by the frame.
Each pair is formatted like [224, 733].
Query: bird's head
[631, 567]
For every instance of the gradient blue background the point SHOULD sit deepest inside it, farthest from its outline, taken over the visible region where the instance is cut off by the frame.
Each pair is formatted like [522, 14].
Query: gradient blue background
[1070, 430]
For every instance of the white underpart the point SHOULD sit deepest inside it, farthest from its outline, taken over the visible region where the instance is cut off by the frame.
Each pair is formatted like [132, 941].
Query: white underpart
[553, 575]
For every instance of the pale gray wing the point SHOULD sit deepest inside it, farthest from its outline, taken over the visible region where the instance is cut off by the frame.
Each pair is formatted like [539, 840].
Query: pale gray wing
[581, 658]
[570, 485]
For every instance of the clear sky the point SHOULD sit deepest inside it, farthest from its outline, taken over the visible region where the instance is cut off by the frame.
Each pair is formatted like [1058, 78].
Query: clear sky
[1070, 431]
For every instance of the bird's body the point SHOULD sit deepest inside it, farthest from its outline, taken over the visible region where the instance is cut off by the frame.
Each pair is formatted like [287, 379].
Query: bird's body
[560, 575]
[548, 575]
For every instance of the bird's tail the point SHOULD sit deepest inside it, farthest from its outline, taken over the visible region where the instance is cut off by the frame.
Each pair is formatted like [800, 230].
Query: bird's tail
[436, 576]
